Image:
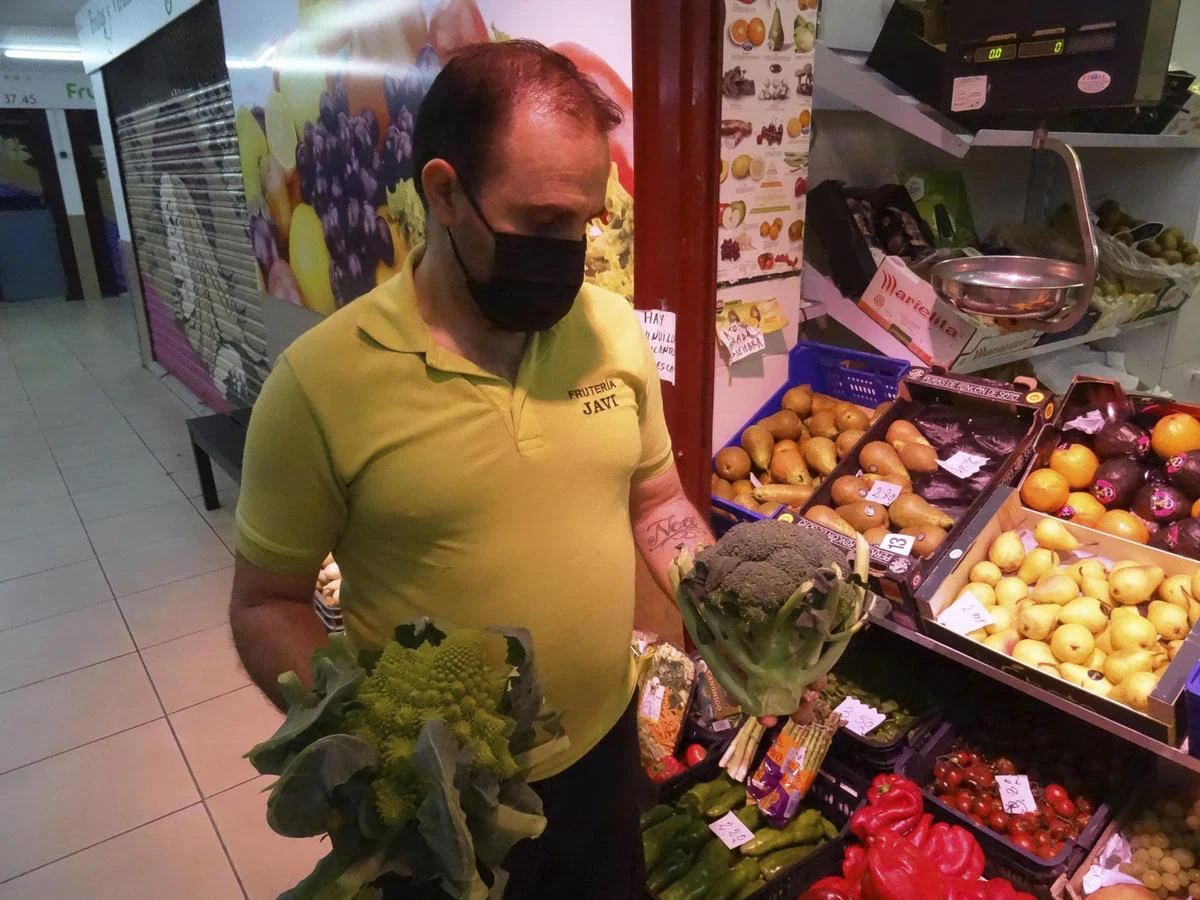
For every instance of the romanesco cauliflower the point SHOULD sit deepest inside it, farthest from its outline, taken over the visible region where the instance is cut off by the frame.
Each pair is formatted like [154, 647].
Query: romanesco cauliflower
[451, 682]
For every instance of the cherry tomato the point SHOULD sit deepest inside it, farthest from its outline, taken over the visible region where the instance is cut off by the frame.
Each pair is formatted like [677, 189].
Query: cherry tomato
[1004, 766]
[1025, 823]
[979, 777]
[964, 802]
[941, 786]
[1046, 850]
[977, 819]
[984, 806]
[695, 754]
[998, 821]
[1064, 807]
[1055, 792]
[943, 769]
[963, 758]
[1081, 820]
[1024, 841]
[1084, 805]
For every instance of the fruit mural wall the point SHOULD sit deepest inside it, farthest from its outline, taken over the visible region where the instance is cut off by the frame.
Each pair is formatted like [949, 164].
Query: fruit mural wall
[326, 93]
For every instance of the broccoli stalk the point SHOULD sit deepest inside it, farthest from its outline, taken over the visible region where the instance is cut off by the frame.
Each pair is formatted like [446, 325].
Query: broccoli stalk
[771, 610]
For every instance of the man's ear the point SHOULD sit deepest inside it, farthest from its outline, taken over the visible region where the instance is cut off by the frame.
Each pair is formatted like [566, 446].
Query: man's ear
[438, 180]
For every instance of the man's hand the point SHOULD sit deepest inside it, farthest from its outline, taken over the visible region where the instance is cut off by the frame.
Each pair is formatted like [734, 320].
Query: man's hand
[274, 627]
[663, 518]
[806, 712]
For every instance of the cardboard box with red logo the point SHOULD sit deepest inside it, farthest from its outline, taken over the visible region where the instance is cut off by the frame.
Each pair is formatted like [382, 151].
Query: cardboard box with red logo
[905, 305]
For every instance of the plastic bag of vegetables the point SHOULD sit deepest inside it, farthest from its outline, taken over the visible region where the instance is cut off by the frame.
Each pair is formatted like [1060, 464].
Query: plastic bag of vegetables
[410, 760]
[771, 607]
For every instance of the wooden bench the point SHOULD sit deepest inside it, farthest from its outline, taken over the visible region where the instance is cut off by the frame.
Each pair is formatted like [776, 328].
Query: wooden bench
[220, 437]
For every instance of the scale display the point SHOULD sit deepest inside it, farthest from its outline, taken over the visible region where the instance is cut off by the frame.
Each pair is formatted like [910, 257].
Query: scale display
[1041, 49]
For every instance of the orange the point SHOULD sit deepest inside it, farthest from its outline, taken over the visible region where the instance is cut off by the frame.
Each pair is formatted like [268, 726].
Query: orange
[756, 31]
[738, 31]
[1196, 508]
[1175, 435]
[1124, 524]
[1076, 463]
[1083, 508]
[1045, 490]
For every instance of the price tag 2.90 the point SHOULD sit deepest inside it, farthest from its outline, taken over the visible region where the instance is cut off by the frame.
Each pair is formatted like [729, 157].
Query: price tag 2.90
[1015, 795]
[966, 614]
[859, 717]
[883, 493]
[730, 831]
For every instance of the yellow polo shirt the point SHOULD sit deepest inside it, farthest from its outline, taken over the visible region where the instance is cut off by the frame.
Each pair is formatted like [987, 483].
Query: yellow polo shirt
[445, 491]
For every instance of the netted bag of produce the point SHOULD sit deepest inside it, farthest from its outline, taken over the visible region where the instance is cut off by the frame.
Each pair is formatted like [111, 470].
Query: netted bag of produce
[1137, 273]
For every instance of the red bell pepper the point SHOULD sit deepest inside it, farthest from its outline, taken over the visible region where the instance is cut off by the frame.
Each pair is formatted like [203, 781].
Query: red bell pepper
[955, 851]
[896, 870]
[832, 888]
[920, 834]
[854, 863]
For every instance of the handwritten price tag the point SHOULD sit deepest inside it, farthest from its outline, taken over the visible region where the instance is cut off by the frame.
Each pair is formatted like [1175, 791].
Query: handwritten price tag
[966, 614]
[900, 544]
[730, 831]
[1090, 422]
[859, 718]
[883, 493]
[963, 465]
[1015, 795]
[652, 700]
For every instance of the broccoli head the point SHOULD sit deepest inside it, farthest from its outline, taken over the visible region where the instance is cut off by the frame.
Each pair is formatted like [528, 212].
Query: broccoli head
[771, 606]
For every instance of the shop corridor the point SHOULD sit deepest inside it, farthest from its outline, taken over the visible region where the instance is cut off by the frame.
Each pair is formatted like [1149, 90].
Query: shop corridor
[123, 709]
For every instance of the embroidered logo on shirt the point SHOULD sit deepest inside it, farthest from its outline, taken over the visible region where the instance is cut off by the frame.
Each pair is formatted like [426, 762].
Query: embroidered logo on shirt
[602, 396]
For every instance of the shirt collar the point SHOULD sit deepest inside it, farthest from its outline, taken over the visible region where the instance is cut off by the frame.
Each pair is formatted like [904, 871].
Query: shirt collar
[391, 317]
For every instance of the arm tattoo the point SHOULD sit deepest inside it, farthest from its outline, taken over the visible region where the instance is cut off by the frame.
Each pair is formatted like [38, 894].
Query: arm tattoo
[672, 530]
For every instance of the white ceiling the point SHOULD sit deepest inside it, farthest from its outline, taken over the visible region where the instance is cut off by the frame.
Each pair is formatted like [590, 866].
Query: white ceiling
[38, 22]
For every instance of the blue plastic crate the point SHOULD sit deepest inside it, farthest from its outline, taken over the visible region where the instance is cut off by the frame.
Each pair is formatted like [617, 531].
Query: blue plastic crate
[863, 378]
[1192, 711]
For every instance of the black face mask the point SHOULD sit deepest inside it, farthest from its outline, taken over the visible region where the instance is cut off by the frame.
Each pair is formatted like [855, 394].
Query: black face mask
[533, 282]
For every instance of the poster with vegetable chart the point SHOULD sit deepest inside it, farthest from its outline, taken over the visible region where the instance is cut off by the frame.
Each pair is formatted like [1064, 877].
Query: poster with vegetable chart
[326, 93]
[766, 127]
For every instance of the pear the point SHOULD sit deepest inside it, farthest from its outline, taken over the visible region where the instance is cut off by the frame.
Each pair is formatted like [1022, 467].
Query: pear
[1072, 644]
[1038, 562]
[1132, 632]
[1196, 583]
[1194, 611]
[1096, 660]
[1161, 671]
[1122, 564]
[1097, 683]
[1104, 640]
[1173, 648]
[1050, 669]
[1086, 568]
[1169, 619]
[1007, 552]
[1037, 622]
[1120, 612]
[1085, 611]
[1134, 689]
[1091, 586]
[1009, 590]
[1053, 534]
[1132, 585]
[1054, 588]
[1121, 663]
[1177, 589]
[1033, 653]
[1002, 619]
[978, 634]
[986, 572]
[983, 592]
[1002, 641]
[1073, 673]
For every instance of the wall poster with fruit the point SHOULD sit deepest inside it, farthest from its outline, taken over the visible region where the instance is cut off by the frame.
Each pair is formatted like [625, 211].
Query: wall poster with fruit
[766, 128]
[326, 93]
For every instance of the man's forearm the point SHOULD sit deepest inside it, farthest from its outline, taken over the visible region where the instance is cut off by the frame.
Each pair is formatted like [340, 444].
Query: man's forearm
[661, 533]
[276, 636]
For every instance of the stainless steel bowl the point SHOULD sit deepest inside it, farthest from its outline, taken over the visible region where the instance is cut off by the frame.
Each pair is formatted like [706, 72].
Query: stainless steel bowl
[1009, 287]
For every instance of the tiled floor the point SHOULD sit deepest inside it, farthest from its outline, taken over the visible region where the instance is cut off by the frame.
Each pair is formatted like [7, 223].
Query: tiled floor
[123, 709]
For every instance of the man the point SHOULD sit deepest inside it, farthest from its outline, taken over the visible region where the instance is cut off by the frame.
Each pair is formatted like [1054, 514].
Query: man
[481, 440]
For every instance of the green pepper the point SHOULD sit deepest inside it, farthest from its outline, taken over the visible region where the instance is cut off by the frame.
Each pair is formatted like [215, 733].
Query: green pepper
[751, 889]
[750, 816]
[780, 861]
[704, 793]
[673, 867]
[691, 838]
[660, 813]
[712, 864]
[656, 839]
[725, 802]
[828, 829]
[804, 829]
[744, 873]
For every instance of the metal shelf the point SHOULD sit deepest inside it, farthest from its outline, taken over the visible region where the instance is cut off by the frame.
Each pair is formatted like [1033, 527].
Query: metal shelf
[1175, 755]
[1055, 346]
[845, 74]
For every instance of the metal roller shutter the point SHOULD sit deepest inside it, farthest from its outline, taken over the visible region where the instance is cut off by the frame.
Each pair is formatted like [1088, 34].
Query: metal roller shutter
[187, 207]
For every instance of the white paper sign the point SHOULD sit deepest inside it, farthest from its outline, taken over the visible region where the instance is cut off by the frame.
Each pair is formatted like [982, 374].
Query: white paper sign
[965, 614]
[858, 717]
[731, 832]
[659, 326]
[963, 465]
[969, 92]
[900, 544]
[1090, 422]
[1015, 795]
[741, 341]
[884, 493]
[652, 699]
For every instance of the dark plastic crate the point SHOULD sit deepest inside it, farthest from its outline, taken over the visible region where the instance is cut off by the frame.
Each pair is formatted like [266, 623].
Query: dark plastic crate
[863, 378]
[872, 757]
[705, 770]
[1192, 710]
[836, 792]
[330, 618]
[1026, 871]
